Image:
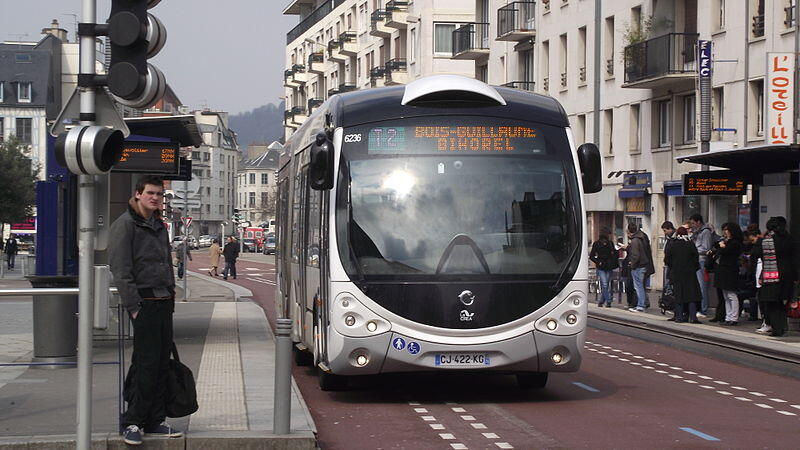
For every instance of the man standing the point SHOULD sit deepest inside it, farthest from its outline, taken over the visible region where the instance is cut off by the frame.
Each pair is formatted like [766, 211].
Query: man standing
[179, 257]
[230, 252]
[641, 263]
[702, 236]
[141, 263]
[11, 251]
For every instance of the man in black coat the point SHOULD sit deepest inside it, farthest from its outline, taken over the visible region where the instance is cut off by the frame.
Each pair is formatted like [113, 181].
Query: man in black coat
[231, 253]
[12, 248]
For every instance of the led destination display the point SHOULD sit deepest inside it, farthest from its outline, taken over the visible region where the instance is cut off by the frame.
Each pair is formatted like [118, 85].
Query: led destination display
[457, 139]
[713, 183]
[148, 157]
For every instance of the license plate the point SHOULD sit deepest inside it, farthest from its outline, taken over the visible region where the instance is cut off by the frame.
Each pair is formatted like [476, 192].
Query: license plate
[462, 359]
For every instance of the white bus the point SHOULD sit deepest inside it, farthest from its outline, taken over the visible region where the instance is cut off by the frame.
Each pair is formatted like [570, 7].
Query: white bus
[435, 226]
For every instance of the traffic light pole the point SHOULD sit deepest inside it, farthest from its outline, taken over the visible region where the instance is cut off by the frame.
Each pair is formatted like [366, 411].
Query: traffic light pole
[86, 238]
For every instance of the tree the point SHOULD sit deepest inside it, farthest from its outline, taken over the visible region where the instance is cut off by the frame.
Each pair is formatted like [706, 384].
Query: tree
[17, 184]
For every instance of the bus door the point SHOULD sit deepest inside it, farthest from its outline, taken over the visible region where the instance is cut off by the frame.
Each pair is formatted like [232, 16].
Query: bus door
[297, 266]
[313, 298]
[282, 251]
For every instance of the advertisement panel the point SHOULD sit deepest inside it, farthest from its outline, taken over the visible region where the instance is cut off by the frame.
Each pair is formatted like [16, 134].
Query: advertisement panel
[779, 88]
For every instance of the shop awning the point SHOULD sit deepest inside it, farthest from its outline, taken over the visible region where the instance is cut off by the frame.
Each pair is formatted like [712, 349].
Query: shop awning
[673, 188]
[633, 192]
[751, 160]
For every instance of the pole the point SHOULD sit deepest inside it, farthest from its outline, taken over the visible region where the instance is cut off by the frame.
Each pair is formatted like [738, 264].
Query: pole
[185, 247]
[597, 61]
[283, 377]
[86, 237]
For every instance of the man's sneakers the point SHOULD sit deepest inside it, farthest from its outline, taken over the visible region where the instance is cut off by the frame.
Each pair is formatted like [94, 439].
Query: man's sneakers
[132, 435]
[163, 430]
[765, 329]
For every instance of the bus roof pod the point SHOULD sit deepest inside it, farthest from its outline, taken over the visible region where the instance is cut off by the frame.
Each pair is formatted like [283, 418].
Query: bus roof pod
[449, 87]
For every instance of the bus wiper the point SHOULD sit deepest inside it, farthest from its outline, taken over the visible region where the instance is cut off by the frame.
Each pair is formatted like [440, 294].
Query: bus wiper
[565, 269]
[360, 282]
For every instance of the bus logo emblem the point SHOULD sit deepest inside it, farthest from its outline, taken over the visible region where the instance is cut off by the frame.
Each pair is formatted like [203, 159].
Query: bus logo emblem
[466, 316]
[467, 298]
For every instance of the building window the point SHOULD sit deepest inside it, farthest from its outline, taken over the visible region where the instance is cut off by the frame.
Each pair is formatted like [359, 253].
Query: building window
[580, 133]
[24, 130]
[252, 178]
[718, 99]
[544, 64]
[443, 38]
[221, 192]
[582, 55]
[664, 108]
[2, 129]
[24, 92]
[757, 23]
[634, 138]
[205, 156]
[757, 107]
[264, 199]
[264, 178]
[608, 46]
[563, 58]
[526, 66]
[252, 196]
[22, 57]
[689, 119]
[412, 52]
[790, 12]
[221, 209]
[196, 156]
[208, 191]
[720, 14]
[2, 89]
[483, 73]
[608, 132]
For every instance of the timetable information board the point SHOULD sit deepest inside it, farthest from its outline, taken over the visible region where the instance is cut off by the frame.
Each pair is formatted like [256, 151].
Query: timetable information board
[148, 157]
[714, 183]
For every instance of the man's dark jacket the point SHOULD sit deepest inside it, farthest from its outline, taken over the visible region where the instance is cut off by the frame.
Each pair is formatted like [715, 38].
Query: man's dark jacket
[231, 251]
[639, 253]
[139, 256]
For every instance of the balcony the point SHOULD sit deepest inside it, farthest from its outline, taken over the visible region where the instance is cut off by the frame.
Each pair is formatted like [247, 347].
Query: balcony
[348, 45]
[516, 21]
[299, 115]
[296, 6]
[347, 87]
[288, 118]
[396, 71]
[288, 79]
[318, 14]
[334, 51]
[314, 103]
[378, 27]
[399, 14]
[471, 41]
[521, 85]
[662, 61]
[758, 26]
[299, 76]
[316, 63]
[564, 80]
[377, 76]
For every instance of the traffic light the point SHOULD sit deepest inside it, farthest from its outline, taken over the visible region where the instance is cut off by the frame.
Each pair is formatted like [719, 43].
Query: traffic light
[89, 150]
[135, 36]
[237, 216]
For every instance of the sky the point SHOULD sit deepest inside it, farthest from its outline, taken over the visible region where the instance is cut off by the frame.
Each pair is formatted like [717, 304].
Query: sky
[224, 54]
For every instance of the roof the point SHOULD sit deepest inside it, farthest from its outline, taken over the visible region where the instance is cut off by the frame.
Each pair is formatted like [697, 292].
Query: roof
[371, 105]
[182, 129]
[267, 160]
[751, 160]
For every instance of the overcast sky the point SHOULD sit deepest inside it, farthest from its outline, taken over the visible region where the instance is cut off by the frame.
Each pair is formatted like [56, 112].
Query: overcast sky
[225, 54]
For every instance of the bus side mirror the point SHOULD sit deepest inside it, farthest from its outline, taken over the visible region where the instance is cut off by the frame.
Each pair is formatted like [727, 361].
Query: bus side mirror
[320, 170]
[591, 172]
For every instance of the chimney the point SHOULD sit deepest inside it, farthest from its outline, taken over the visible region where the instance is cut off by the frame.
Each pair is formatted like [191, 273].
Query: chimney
[56, 31]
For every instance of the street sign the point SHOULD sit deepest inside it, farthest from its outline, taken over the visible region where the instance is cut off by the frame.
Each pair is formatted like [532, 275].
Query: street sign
[704, 50]
[148, 157]
[187, 221]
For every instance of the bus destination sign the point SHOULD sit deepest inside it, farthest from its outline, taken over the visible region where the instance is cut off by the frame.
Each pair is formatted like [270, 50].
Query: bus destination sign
[148, 157]
[452, 139]
[719, 182]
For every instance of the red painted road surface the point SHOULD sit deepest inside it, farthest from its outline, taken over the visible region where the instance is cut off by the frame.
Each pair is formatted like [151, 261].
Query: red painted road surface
[628, 394]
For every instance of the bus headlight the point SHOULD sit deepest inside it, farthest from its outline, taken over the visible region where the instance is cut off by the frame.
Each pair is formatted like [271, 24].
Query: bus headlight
[361, 360]
[571, 319]
[349, 321]
[552, 324]
[372, 326]
[557, 358]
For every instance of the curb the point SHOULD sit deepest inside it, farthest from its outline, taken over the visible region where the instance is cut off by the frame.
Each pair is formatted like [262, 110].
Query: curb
[300, 440]
[239, 292]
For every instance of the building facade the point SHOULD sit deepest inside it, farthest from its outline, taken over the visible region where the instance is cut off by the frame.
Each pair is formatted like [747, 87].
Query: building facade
[257, 187]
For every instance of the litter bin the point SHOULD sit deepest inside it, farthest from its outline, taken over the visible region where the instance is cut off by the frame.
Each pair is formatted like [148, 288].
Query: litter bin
[55, 321]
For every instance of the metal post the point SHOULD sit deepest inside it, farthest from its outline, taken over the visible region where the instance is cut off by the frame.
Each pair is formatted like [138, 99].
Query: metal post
[283, 377]
[86, 237]
[598, 18]
[186, 238]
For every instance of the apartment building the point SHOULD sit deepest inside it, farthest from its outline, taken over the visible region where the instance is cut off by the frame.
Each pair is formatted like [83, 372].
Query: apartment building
[344, 45]
[257, 186]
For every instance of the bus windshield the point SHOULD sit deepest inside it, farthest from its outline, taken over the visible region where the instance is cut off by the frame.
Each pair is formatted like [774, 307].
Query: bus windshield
[486, 198]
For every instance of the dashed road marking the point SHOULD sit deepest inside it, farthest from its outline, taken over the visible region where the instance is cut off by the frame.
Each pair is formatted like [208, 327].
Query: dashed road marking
[778, 400]
[414, 404]
[437, 426]
[585, 387]
[744, 399]
[738, 388]
[706, 387]
[786, 413]
[675, 368]
[721, 382]
[762, 405]
[675, 376]
[447, 436]
[699, 434]
[429, 418]
[503, 445]
[458, 446]
[661, 371]
[646, 367]
[468, 418]
[459, 410]
[795, 406]
[689, 372]
[690, 381]
[758, 394]
[420, 410]
[704, 377]
[490, 436]
[633, 363]
[478, 426]
[724, 393]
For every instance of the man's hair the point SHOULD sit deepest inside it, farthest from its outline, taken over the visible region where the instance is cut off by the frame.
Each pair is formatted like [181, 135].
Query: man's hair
[148, 179]
[777, 224]
[667, 225]
[633, 228]
[696, 217]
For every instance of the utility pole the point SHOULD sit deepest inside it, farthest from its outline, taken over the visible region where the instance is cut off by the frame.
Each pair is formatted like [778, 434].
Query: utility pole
[186, 240]
[598, 17]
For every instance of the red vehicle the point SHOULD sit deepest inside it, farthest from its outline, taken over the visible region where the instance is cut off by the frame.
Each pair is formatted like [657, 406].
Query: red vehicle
[253, 237]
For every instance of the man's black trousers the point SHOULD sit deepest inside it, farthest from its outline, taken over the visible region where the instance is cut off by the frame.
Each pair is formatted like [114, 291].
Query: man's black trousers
[152, 342]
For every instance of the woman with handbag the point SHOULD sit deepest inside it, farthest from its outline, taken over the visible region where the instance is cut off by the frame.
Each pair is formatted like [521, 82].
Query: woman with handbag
[682, 259]
[726, 272]
[778, 274]
[604, 257]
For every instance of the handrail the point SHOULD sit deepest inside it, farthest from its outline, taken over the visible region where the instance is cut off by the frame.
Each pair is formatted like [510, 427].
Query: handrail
[16, 292]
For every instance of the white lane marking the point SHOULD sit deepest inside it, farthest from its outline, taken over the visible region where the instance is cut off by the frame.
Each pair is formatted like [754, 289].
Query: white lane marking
[675, 368]
[721, 382]
[762, 405]
[447, 436]
[624, 359]
[429, 418]
[744, 399]
[689, 372]
[690, 381]
[459, 410]
[662, 364]
[478, 426]
[490, 436]
[758, 394]
[616, 350]
[777, 400]
[650, 360]
[661, 371]
[786, 413]
[646, 367]
[795, 406]
[633, 363]
[602, 353]
[458, 446]
[706, 387]
[638, 357]
[627, 353]
[704, 377]
[414, 404]
[251, 268]
[503, 445]
[738, 388]
[420, 410]
[613, 356]
[468, 418]
[262, 281]
[675, 376]
[437, 426]
[724, 393]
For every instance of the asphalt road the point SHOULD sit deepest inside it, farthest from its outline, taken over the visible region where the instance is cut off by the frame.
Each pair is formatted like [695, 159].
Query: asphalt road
[629, 393]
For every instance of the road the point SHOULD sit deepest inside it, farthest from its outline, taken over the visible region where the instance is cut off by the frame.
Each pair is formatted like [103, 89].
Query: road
[630, 393]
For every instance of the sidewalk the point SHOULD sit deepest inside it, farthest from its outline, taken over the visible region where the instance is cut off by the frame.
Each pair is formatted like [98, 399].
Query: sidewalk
[742, 337]
[228, 344]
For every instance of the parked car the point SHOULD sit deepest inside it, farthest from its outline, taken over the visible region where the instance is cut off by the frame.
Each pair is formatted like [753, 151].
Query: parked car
[205, 240]
[250, 245]
[26, 243]
[193, 245]
[269, 245]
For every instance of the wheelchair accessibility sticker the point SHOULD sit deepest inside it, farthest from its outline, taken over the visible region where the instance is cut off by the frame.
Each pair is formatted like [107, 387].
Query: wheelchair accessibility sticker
[413, 348]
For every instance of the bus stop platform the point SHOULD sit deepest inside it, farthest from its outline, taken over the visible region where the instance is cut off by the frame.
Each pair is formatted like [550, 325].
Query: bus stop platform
[220, 334]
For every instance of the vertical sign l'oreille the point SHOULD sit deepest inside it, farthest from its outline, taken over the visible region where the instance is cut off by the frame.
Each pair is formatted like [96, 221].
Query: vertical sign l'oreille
[780, 98]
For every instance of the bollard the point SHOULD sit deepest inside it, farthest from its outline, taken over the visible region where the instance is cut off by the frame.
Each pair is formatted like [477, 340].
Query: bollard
[283, 377]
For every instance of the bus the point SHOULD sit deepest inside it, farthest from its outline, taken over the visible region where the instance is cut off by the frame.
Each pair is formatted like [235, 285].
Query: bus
[436, 226]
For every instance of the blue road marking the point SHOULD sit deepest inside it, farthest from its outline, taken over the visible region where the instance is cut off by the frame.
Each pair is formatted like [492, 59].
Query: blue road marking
[699, 434]
[585, 386]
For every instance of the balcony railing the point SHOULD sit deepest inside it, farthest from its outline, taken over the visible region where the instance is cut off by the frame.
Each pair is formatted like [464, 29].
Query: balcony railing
[758, 25]
[610, 67]
[298, 68]
[789, 20]
[379, 15]
[316, 57]
[333, 44]
[563, 79]
[516, 20]
[377, 72]
[314, 103]
[315, 16]
[288, 73]
[670, 54]
[332, 92]
[396, 5]
[521, 85]
[471, 37]
[347, 36]
[298, 110]
[287, 115]
[396, 65]
[347, 87]
[582, 74]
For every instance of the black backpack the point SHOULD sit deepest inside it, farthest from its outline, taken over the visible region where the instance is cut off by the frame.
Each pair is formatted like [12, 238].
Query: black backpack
[181, 390]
